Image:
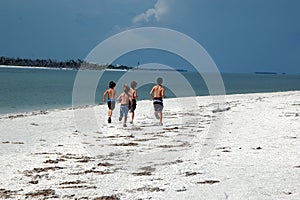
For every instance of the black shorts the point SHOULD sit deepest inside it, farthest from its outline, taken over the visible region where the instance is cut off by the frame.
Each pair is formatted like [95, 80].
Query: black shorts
[111, 105]
[133, 106]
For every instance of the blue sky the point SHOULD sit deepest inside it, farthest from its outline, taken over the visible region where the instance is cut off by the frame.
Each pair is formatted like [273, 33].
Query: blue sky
[240, 35]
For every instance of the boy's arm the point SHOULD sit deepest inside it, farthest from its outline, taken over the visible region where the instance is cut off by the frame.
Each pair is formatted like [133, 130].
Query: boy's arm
[151, 93]
[119, 98]
[104, 95]
[135, 94]
[163, 93]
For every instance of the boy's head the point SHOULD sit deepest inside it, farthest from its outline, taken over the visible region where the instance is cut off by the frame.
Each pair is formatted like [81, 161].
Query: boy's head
[112, 84]
[126, 88]
[159, 80]
[133, 84]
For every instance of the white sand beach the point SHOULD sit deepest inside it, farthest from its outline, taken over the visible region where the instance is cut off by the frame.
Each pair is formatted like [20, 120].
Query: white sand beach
[254, 153]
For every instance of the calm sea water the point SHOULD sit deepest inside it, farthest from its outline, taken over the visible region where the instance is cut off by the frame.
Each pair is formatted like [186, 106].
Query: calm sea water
[27, 89]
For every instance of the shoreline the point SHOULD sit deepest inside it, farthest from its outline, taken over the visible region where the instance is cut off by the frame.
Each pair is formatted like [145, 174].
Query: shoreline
[57, 68]
[30, 112]
[142, 69]
[32, 67]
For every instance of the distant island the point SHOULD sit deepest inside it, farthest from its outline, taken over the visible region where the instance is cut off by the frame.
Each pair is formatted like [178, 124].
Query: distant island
[72, 64]
[265, 72]
[69, 64]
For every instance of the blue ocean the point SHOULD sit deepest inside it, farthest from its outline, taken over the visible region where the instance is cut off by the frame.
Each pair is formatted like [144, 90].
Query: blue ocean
[33, 89]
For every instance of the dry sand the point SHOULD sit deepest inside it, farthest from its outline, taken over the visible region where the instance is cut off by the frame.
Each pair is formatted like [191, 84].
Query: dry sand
[253, 153]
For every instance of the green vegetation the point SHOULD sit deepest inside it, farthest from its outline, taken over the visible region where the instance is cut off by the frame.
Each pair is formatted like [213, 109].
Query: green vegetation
[70, 64]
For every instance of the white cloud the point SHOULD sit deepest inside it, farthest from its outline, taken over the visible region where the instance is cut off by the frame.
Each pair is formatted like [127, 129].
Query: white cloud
[160, 9]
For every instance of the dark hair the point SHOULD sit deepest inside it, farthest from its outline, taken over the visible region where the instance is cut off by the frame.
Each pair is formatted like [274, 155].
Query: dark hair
[112, 84]
[133, 84]
[159, 80]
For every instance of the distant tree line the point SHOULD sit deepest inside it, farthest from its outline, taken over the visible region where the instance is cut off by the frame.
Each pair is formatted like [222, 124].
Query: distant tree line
[69, 64]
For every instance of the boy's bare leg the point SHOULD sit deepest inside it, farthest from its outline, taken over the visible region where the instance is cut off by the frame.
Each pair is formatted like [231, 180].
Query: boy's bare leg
[125, 120]
[160, 118]
[156, 113]
[132, 117]
[109, 115]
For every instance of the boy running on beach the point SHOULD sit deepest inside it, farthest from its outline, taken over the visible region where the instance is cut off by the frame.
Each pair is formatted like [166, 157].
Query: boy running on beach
[157, 94]
[132, 104]
[124, 100]
[111, 102]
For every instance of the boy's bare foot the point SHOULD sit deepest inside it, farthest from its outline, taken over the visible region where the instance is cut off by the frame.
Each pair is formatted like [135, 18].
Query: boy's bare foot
[131, 122]
[124, 125]
[160, 124]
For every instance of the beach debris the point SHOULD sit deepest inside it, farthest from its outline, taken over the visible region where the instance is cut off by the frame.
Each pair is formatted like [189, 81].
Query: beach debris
[221, 109]
[147, 168]
[85, 159]
[181, 189]
[257, 148]
[106, 164]
[72, 182]
[125, 144]
[166, 146]
[192, 173]
[226, 195]
[291, 137]
[170, 163]
[15, 116]
[144, 173]
[291, 114]
[17, 142]
[34, 182]
[8, 142]
[226, 151]
[219, 148]
[135, 128]
[297, 166]
[34, 124]
[38, 170]
[170, 128]
[144, 139]
[68, 196]
[92, 171]
[120, 136]
[49, 193]
[149, 189]
[78, 158]
[47, 153]
[53, 161]
[5, 194]
[183, 144]
[43, 112]
[78, 186]
[287, 193]
[208, 182]
[260, 98]
[113, 197]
